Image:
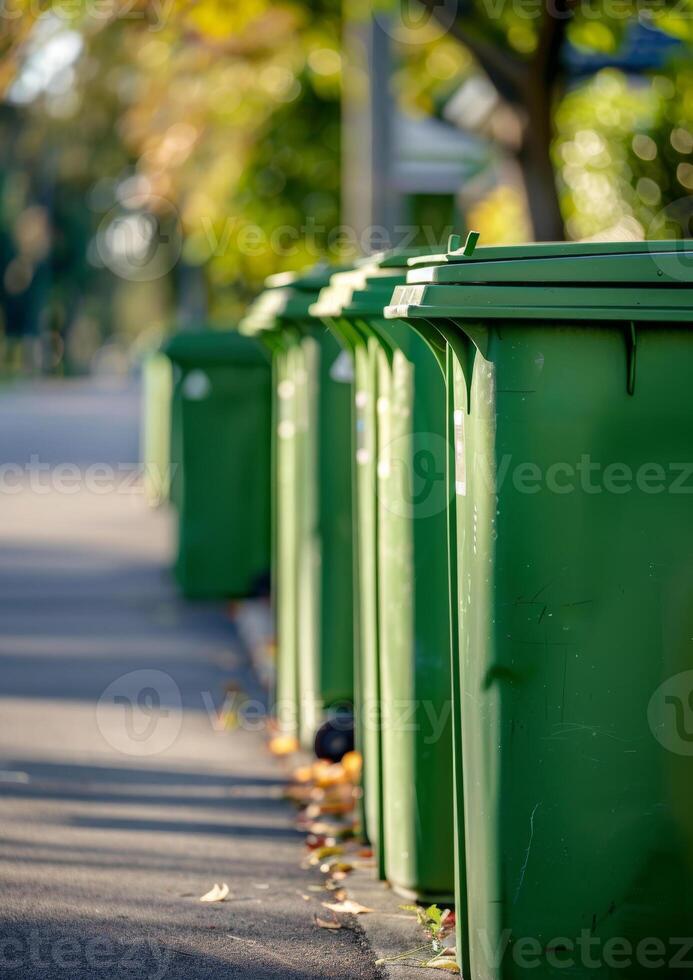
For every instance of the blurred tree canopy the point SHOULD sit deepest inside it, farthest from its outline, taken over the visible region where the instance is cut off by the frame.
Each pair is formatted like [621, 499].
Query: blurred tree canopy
[520, 45]
[220, 120]
[174, 142]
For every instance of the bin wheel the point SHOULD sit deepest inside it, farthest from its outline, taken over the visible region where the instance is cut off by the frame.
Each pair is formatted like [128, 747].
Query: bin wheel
[335, 738]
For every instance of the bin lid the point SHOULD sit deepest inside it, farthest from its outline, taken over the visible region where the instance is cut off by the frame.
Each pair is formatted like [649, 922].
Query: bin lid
[653, 262]
[558, 280]
[351, 293]
[312, 278]
[366, 289]
[287, 298]
[208, 347]
[478, 302]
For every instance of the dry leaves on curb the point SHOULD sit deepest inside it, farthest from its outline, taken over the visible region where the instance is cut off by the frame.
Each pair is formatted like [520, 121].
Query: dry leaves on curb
[216, 894]
[347, 906]
[327, 923]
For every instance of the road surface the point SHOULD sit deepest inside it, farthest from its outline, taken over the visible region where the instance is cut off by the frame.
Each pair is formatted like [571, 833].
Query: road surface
[122, 800]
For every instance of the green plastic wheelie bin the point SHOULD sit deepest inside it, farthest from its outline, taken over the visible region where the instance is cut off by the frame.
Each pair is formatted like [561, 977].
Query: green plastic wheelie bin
[570, 367]
[155, 436]
[362, 345]
[220, 457]
[314, 589]
[281, 339]
[404, 695]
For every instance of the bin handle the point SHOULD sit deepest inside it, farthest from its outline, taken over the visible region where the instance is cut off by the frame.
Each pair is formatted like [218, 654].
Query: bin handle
[631, 351]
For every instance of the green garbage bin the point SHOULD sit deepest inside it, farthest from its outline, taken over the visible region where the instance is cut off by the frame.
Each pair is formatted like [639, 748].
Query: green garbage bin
[404, 702]
[155, 437]
[571, 368]
[220, 462]
[280, 339]
[314, 590]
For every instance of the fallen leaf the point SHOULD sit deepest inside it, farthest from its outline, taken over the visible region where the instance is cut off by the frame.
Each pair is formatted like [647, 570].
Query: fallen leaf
[330, 776]
[336, 867]
[303, 774]
[316, 810]
[216, 894]
[327, 923]
[336, 875]
[353, 763]
[283, 745]
[333, 884]
[324, 852]
[444, 965]
[349, 907]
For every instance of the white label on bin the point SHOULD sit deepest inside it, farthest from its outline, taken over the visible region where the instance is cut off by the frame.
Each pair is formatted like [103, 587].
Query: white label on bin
[460, 461]
[196, 386]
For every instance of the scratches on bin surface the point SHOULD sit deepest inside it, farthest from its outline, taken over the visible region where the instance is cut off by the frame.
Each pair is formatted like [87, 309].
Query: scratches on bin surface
[523, 869]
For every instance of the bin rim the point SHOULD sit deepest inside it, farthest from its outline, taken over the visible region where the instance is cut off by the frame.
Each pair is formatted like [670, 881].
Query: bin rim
[349, 292]
[397, 258]
[352, 293]
[310, 279]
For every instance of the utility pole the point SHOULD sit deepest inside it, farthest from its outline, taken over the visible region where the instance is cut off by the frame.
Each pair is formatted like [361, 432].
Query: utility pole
[369, 201]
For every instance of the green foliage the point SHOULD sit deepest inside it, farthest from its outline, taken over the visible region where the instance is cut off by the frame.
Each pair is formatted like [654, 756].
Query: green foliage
[624, 155]
[228, 114]
[431, 918]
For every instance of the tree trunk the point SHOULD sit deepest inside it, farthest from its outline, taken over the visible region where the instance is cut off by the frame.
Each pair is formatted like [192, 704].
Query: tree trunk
[538, 171]
[530, 85]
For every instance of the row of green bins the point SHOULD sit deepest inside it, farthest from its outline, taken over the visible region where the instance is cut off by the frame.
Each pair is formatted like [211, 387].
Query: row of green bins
[220, 462]
[314, 559]
[155, 436]
[404, 699]
[570, 368]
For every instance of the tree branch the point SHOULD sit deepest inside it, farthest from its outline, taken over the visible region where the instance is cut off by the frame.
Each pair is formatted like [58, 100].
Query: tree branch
[507, 71]
[545, 65]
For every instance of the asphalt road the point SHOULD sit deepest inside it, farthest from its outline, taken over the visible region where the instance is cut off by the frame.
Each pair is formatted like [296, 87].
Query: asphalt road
[121, 799]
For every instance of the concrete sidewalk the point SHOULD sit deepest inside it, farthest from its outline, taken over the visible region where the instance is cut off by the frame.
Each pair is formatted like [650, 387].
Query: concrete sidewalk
[121, 800]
